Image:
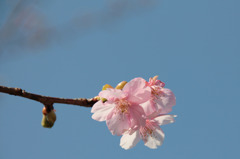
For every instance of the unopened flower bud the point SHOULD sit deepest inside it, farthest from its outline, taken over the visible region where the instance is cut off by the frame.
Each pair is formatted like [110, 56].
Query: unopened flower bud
[48, 119]
[44, 110]
[45, 123]
[52, 116]
[121, 85]
[106, 86]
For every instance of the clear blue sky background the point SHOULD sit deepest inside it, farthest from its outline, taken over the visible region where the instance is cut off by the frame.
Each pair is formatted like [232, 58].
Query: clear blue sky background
[192, 45]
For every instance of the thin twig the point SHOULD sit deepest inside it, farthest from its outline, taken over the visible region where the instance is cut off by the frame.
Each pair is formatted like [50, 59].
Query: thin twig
[48, 101]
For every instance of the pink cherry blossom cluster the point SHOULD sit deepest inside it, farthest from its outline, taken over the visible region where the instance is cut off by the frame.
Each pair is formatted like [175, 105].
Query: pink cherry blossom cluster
[136, 111]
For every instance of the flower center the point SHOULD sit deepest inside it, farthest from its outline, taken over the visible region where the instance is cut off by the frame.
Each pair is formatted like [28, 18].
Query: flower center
[156, 91]
[147, 129]
[122, 106]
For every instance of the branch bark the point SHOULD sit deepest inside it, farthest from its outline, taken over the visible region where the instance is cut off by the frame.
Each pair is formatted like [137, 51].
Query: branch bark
[46, 100]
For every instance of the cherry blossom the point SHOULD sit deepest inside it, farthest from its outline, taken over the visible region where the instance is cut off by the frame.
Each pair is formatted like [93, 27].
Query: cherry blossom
[151, 134]
[162, 99]
[122, 109]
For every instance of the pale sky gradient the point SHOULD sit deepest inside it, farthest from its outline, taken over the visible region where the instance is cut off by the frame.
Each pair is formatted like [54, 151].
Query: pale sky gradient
[72, 48]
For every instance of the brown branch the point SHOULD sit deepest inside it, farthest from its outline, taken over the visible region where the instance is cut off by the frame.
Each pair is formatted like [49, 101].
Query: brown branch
[48, 101]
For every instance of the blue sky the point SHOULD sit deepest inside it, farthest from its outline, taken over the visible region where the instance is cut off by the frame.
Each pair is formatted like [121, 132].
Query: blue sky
[192, 45]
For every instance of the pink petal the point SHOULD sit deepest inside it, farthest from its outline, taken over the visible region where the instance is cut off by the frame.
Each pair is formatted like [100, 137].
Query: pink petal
[166, 101]
[137, 90]
[164, 119]
[112, 94]
[101, 110]
[149, 107]
[129, 141]
[118, 123]
[156, 139]
[137, 116]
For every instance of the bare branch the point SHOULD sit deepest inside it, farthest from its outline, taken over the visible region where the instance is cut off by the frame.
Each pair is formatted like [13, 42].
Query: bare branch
[48, 101]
